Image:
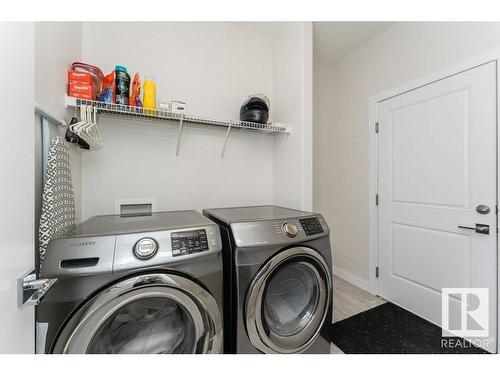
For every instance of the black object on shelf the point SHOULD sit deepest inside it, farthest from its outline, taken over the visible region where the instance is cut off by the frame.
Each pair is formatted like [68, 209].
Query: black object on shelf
[255, 109]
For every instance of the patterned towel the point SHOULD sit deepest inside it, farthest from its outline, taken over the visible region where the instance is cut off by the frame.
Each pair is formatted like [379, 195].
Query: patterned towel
[58, 217]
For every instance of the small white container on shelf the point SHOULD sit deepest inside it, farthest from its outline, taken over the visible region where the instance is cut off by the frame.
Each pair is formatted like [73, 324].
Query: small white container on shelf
[164, 106]
[177, 107]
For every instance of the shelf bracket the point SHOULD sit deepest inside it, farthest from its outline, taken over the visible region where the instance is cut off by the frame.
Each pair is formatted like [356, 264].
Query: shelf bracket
[181, 124]
[32, 289]
[225, 142]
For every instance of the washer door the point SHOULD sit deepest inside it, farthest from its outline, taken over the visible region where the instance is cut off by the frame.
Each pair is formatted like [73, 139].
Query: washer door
[288, 301]
[153, 313]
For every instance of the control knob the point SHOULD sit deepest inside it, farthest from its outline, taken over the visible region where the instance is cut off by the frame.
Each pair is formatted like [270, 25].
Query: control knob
[289, 229]
[145, 248]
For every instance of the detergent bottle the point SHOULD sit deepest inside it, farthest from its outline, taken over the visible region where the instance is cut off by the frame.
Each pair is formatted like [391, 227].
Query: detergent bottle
[149, 89]
[122, 85]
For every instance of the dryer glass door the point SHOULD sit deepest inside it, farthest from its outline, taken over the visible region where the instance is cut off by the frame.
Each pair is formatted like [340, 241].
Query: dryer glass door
[153, 313]
[288, 301]
[291, 299]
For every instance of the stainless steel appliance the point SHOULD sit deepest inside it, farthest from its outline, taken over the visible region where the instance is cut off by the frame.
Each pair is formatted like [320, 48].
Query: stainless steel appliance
[134, 284]
[277, 279]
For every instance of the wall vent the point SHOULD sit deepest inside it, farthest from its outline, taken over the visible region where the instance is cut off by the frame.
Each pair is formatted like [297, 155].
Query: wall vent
[135, 207]
[145, 209]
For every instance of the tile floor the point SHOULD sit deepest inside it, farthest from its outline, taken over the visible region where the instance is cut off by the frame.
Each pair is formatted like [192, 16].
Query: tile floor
[349, 300]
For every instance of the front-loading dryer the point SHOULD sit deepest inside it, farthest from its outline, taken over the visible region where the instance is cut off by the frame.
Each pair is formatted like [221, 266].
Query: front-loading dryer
[277, 278]
[143, 284]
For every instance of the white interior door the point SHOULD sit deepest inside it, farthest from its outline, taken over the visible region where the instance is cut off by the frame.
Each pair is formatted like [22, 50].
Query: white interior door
[437, 164]
[17, 324]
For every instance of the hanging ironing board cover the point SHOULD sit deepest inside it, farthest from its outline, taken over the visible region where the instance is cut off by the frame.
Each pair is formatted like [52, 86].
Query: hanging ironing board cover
[58, 217]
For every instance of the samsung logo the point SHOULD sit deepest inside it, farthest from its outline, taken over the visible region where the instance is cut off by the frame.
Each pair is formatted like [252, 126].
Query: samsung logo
[83, 243]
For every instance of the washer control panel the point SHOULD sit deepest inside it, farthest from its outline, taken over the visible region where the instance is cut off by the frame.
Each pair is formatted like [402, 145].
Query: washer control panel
[189, 242]
[311, 226]
[145, 248]
[159, 248]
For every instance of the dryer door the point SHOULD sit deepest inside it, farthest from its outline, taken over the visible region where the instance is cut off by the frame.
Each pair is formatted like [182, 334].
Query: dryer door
[152, 313]
[288, 301]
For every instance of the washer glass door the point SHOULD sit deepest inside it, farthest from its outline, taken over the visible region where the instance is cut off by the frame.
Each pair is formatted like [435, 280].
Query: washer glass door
[288, 301]
[147, 325]
[153, 313]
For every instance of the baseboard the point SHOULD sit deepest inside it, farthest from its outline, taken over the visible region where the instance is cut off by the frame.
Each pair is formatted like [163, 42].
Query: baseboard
[353, 279]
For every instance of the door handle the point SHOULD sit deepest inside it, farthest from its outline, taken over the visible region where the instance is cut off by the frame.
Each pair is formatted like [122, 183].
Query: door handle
[479, 228]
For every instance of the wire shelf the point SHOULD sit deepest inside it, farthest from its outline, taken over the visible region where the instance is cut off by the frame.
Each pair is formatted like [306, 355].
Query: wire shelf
[159, 115]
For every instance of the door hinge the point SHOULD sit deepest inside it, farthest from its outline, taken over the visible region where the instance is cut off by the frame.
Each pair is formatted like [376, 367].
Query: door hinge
[376, 127]
[376, 272]
[376, 199]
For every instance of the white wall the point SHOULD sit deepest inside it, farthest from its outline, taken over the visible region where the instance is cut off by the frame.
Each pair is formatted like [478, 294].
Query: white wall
[402, 53]
[293, 96]
[211, 66]
[57, 45]
[16, 184]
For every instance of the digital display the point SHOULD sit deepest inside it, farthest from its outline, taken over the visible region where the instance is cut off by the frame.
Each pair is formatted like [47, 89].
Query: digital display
[189, 242]
[311, 226]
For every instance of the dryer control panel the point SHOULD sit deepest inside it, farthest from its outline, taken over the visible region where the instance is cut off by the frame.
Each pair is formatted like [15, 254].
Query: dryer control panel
[311, 226]
[279, 232]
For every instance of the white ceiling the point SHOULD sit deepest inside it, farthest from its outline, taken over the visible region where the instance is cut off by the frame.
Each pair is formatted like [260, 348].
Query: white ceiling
[266, 28]
[334, 40]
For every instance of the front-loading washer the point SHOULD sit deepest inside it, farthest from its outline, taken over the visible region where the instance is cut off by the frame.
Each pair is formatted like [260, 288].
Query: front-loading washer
[277, 278]
[134, 284]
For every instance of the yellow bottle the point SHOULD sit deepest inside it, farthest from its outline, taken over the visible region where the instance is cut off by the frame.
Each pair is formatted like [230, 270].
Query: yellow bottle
[149, 101]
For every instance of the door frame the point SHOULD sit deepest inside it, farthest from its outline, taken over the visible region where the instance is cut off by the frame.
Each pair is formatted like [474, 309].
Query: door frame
[491, 56]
